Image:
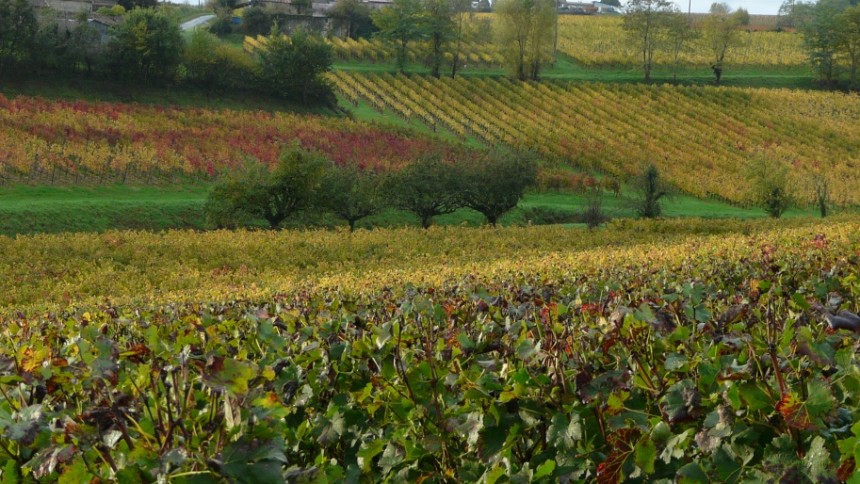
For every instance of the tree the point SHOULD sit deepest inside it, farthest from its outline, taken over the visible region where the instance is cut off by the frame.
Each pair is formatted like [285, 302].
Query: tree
[821, 190]
[146, 46]
[769, 184]
[133, 4]
[785, 16]
[461, 8]
[438, 26]
[494, 183]
[679, 32]
[18, 29]
[356, 15]
[352, 193]
[651, 189]
[400, 24]
[593, 215]
[720, 31]
[214, 65]
[848, 32]
[294, 67]
[821, 35]
[257, 21]
[427, 187]
[525, 32]
[272, 194]
[645, 24]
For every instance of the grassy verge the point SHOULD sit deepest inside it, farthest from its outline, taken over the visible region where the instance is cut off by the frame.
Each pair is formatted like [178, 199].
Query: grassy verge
[29, 210]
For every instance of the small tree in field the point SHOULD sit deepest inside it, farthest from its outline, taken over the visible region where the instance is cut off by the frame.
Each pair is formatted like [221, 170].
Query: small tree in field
[651, 190]
[769, 185]
[593, 215]
[352, 193]
[821, 189]
[427, 188]
[271, 194]
[495, 183]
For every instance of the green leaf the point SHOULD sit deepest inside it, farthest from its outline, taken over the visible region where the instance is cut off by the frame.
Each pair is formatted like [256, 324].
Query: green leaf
[645, 454]
[229, 374]
[675, 361]
[817, 460]
[368, 451]
[691, 473]
[564, 433]
[544, 470]
[755, 398]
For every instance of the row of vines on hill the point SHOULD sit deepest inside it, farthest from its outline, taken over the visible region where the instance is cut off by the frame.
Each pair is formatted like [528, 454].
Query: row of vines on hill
[714, 366]
[700, 138]
[49, 141]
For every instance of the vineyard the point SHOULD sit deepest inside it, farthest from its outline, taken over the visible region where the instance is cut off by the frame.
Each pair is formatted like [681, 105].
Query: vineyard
[529, 354]
[600, 41]
[55, 142]
[701, 138]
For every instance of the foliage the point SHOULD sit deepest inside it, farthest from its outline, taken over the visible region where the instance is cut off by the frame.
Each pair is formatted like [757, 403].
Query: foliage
[821, 35]
[438, 26]
[427, 187]
[594, 215]
[494, 183]
[701, 361]
[525, 33]
[215, 65]
[293, 68]
[720, 32]
[399, 24]
[256, 20]
[769, 184]
[645, 23]
[352, 193]
[18, 30]
[275, 194]
[650, 189]
[130, 5]
[146, 46]
[356, 15]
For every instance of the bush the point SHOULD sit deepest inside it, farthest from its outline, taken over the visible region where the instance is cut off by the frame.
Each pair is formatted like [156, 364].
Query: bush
[215, 65]
[769, 184]
[256, 21]
[549, 216]
[146, 46]
[650, 189]
[593, 215]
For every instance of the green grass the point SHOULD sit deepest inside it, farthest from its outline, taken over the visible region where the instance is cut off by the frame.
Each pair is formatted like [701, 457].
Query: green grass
[26, 210]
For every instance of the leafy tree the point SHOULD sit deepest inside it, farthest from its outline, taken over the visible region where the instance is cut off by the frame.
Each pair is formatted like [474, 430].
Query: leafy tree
[769, 185]
[352, 193]
[357, 16]
[679, 32]
[821, 35]
[215, 65]
[18, 29]
[427, 187]
[525, 32]
[460, 8]
[293, 68]
[400, 24]
[257, 21]
[85, 47]
[129, 5]
[645, 24]
[785, 16]
[720, 31]
[651, 189]
[494, 183]
[438, 26]
[146, 46]
[848, 25]
[271, 194]
[821, 190]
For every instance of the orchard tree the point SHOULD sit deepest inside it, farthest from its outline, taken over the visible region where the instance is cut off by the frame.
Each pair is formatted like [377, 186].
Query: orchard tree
[146, 46]
[646, 24]
[494, 184]
[525, 33]
[271, 194]
[352, 193]
[400, 24]
[427, 187]
[720, 31]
